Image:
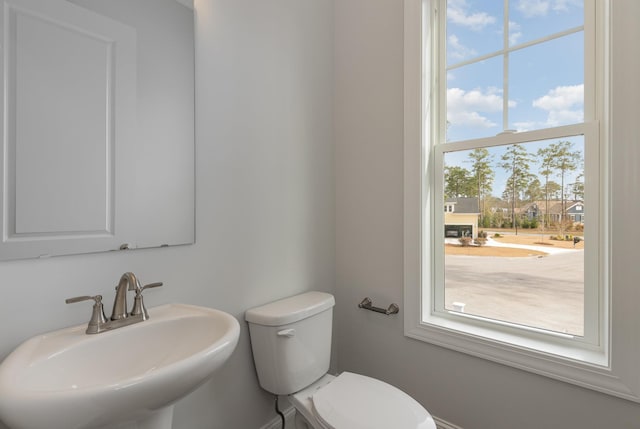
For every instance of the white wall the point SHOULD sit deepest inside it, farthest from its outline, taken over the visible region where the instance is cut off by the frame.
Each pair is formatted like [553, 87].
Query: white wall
[469, 392]
[264, 191]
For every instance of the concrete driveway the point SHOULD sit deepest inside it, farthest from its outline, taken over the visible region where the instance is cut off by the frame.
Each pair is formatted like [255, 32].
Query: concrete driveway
[546, 292]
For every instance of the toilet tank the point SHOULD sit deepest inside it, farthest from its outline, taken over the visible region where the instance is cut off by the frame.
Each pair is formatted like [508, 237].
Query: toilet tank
[291, 341]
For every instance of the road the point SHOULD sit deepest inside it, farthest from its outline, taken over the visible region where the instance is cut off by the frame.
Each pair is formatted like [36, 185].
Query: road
[545, 292]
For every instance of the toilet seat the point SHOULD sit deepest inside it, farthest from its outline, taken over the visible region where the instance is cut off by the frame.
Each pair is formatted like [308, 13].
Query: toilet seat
[353, 401]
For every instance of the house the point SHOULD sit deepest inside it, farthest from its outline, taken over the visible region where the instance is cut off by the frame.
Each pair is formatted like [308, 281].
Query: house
[575, 211]
[299, 186]
[461, 217]
[538, 210]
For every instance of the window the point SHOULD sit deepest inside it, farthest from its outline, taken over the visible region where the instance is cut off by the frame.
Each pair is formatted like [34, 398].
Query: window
[505, 106]
[509, 74]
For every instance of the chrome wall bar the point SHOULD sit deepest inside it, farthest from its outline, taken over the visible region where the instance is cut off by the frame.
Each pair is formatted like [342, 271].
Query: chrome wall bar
[366, 304]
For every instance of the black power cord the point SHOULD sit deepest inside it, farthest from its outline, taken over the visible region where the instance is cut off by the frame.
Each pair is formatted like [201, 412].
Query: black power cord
[279, 412]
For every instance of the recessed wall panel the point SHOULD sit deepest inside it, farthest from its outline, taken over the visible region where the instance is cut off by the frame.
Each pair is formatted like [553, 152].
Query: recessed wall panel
[62, 78]
[68, 128]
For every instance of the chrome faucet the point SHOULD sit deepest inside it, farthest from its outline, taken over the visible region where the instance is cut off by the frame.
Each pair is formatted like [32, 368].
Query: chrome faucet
[119, 316]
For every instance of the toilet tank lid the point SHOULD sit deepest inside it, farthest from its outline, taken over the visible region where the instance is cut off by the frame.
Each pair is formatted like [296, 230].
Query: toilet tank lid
[290, 310]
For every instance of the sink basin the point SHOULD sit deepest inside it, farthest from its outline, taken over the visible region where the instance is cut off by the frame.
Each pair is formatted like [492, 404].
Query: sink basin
[67, 379]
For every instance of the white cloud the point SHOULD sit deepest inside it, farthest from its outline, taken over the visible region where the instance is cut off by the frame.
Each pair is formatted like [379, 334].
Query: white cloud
[564, 105]
[470, 119]
[564, 117]
[561, 97]
[563, 5]
[468, 108]
[514, 33]
[525, 126]
[457, 50]
[458, 13]
[531, 8]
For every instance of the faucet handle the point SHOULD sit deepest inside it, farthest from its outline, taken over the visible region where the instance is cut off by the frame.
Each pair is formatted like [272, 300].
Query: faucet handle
[98, 318]
[150, 285]
[138, 303]
[97, 299]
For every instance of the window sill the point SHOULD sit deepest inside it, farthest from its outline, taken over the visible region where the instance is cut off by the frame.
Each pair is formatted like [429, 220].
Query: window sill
[576, 365]
[473, 339]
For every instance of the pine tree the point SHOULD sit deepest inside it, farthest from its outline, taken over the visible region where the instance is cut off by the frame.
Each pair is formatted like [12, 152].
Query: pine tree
[457, 182]
[515, 161]
[483, 176]
[564, 160]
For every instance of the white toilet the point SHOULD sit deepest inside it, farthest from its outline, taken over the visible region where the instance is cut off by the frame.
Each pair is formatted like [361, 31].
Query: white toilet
[291, 342]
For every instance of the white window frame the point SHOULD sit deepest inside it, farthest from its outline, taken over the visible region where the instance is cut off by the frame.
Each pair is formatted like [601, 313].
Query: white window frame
[596, 363]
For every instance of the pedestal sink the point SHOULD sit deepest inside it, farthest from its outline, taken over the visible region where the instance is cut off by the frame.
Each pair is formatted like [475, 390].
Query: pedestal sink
[67, 379]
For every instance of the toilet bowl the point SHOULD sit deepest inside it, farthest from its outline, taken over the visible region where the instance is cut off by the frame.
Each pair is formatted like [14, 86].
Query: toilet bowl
[356, 401]
[291, 344]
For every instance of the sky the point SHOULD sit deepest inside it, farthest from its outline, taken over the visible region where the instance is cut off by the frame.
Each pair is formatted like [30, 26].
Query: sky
[545, 82]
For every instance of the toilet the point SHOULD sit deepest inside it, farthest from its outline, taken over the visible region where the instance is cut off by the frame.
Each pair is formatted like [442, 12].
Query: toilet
[291, 343]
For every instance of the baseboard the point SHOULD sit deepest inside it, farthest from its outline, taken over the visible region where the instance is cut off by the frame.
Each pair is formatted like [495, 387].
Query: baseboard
[290, 415]
[276, 422]
[443, 424]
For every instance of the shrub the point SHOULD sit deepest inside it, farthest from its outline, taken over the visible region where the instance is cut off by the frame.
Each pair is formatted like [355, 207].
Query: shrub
[560, 237]
[482, 234]
[480, 241]
[465, 241]
[497, 235]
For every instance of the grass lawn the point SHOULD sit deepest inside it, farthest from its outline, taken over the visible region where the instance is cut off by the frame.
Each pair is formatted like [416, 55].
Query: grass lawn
[538, 240]
[529, 239]
[454, 249]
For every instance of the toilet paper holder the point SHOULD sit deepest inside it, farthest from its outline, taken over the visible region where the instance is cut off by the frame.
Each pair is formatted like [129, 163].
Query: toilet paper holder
[367, 305]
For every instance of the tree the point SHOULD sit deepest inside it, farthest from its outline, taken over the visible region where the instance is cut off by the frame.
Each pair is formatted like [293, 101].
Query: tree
[565, 160]
[554, 190]
[534, 190]
[577, 188]
[483, 176]
[457, 182]
[515, 161]
[546, 161]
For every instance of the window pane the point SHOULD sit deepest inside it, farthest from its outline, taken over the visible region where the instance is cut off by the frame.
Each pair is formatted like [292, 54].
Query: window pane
[475, 100]
[474, 28]
[546, 84]
[514, 249]
[531, 20]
